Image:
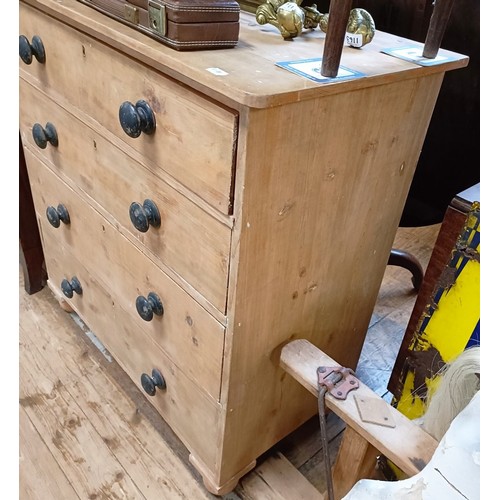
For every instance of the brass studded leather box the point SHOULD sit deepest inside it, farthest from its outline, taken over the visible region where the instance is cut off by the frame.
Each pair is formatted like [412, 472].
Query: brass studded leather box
[180, 24]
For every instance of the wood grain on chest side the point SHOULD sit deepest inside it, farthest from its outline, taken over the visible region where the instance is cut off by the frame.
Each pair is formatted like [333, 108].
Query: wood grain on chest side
[313, 239]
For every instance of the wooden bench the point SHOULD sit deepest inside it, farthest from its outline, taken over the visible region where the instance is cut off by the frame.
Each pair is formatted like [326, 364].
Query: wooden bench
[405, 444]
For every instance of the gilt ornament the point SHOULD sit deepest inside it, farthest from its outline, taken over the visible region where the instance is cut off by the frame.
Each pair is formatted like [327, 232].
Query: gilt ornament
[291, 19]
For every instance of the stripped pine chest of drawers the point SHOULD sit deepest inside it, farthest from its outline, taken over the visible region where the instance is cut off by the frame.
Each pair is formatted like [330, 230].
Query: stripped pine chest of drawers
[199, 210]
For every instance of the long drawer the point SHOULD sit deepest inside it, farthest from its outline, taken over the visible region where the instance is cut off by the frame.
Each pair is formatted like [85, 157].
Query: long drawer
[190, 336]
[194, 139]
[188, 240]
[189, 411]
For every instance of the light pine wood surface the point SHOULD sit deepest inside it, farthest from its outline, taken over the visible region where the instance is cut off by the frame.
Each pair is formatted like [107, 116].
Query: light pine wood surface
[189, 241]
[206, 136]
[194, 338]
[86, 431]
[309, 182]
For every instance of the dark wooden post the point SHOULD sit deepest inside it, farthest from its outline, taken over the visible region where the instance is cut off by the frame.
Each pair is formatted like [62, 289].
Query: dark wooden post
[338, 16]
[437, 27]
[30, 246]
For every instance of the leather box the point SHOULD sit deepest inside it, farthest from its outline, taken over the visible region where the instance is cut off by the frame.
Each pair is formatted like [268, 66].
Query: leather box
[180, 24]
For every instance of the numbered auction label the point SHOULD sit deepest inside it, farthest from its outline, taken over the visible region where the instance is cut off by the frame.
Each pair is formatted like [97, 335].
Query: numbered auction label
[354, 40]
[311, 69]
[217, 71]
[415, 55]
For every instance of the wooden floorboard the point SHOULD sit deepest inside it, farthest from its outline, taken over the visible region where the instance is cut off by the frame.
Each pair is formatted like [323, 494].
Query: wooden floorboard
[86, 431]
[39, 473]
[88, 423]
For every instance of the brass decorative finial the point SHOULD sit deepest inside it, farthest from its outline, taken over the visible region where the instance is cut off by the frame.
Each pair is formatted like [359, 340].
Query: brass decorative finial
[288, 16]
[361, 23]
[291, 19]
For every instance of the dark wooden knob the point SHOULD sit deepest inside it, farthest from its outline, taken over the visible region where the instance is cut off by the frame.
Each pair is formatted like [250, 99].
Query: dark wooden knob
[57, 215]
[145, 215]
[27, 50]
[147, 307]
[68, 287]
[42, 135]
[150, 383]
[137, 119]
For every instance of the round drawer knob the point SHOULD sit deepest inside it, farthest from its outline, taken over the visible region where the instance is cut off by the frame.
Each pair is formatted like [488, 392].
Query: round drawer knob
[57, 215]
[137, 119]
[43, 135]
[150, 383]
[147, 307]
[27, 50]
[68, 287]
[142, 216]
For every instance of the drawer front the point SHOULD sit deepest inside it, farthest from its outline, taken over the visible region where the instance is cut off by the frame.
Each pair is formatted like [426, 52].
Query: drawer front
[194, 139]
[189, 241]
[190, 413]
[190, 336]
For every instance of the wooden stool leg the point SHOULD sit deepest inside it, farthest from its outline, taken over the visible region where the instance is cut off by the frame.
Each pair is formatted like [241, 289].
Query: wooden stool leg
[437, 27]
[356, 460]
[338, 18]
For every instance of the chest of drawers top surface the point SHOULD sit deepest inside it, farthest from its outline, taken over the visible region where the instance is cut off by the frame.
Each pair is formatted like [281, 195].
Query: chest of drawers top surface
[247, 74]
